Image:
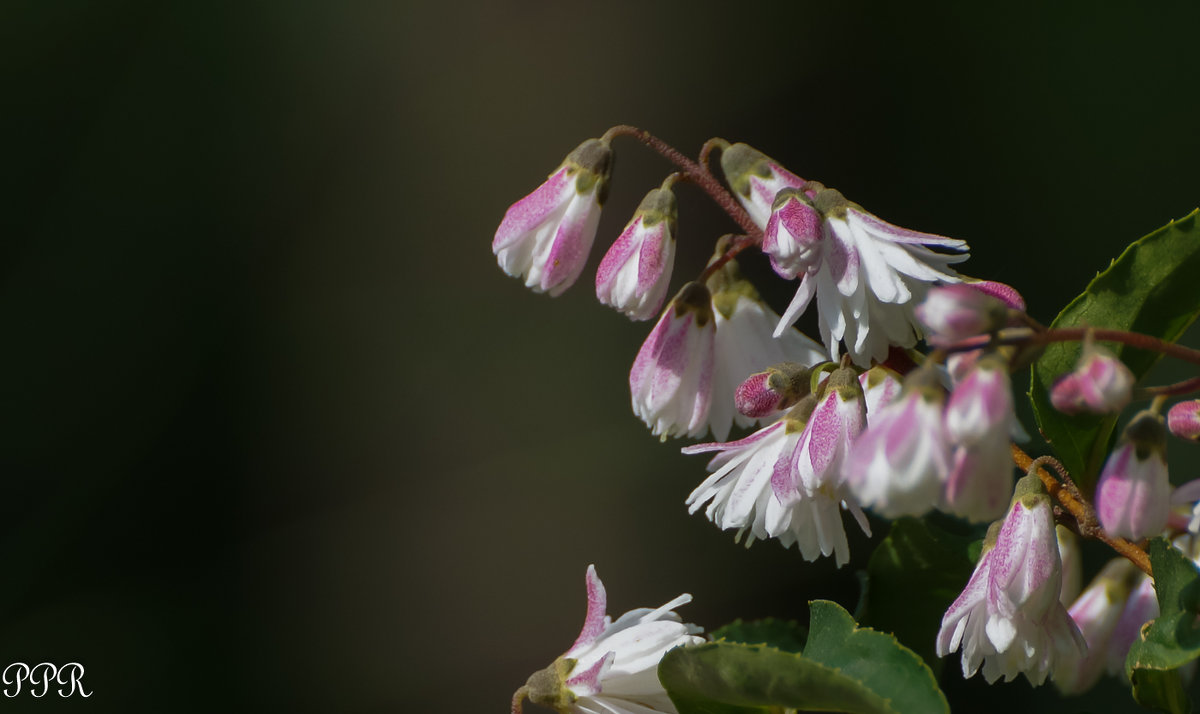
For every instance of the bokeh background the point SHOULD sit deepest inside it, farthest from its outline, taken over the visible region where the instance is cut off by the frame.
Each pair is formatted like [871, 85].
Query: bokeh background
[276, 433]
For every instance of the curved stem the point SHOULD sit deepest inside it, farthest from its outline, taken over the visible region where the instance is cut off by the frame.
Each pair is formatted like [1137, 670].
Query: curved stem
[1187, 386]
[519, 699]
[1085, 516]
[694, 172]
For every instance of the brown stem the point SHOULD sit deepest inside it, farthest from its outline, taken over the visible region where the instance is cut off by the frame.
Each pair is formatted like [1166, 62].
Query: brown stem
[1022, 336]
[1187, 386]
[519, 699]
[694, 172]
[1082, 511]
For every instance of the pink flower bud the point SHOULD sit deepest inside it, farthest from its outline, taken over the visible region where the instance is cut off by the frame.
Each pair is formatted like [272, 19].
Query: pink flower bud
[755, 179]
[634, 273]
[1006, 294]
[881, 386]
[979, 422]
[671, 378]
[1183, 420]
[1133, 493]
[793, 235]
[545, 237]
[1100, 384]
[955, 312]
[779, 387]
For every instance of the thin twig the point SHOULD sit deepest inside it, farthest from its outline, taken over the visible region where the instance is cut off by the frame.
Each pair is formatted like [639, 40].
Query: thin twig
[1084, 514]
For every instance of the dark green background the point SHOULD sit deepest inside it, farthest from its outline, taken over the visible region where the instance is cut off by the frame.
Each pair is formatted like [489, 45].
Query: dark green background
[275, 432]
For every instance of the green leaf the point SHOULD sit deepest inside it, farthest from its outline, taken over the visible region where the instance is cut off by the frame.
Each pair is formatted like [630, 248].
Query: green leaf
[1174, 638]
[1161, 690]
[843, 668]
[786, 635]
[1152, 289]
[913, 577]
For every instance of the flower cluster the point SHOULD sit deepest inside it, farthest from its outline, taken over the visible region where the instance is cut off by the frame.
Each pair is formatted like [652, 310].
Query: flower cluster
[860, 420]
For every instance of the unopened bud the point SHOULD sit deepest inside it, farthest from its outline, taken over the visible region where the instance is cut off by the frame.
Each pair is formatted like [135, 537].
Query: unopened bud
[1100, 384]
[956, 312]
[755, 179]
[779, 387]
[1183, 420]
[1133, 493]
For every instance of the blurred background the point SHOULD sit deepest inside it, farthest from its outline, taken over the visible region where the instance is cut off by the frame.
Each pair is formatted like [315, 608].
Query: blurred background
[277, 434]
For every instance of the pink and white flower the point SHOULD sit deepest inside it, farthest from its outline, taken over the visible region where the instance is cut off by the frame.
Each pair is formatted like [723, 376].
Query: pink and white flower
[671, 380]
[979, 422]
[745, 345]
[881, 386]
[867, 275]
[1009, 619]
[784, 480]
[951, 313]
[793, 234]
[1140, 608]
[1133, 495]
[900, 463]
[545, 237]
[756, 179]
[634, 273]
[1096, 613]
[613, 666]
[1100, 384]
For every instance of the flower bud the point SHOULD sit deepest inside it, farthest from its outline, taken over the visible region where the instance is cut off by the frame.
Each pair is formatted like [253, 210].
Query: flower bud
[545, 237]
[1133, 493]
[792, 238]
[755, 179]
[1006, 294]
[634, 273]
[1100, 384]
[671, 379]
[1183, 420]
[779, 387]
[955, 312]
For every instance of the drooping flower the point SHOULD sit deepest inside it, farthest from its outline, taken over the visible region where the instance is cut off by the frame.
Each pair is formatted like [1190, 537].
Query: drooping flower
[880, 387]
[784, 481]
[1133, 493]
[745, 345]
[671, 379]
[955, 312]
[979, 422]
[1140, 608]
[1183, 419]
[867, 275]
[900, 463]
[612, 667]
[1072, 564]
[1100, 384]
[793, 234]
[756, 179]
[634, 273]
[1009, 619]
[546, 236]
[1096, 613]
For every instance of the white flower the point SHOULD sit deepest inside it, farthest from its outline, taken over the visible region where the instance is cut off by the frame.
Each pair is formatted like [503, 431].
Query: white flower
[672, 377]
[784, 481]
[613, 666]
[744, 346]
[546, 236]
[634, 273]
[1096, 612]
[1009, 619]
[900, 463]
[980, 421]
[867, 275]
[1133, 495]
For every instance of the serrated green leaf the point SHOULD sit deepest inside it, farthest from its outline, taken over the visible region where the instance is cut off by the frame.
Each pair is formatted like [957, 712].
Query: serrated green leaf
[786, 635]
[1161, 690]
[1152, 289]
[1173, 639]
[914, 575]
[844, 668]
